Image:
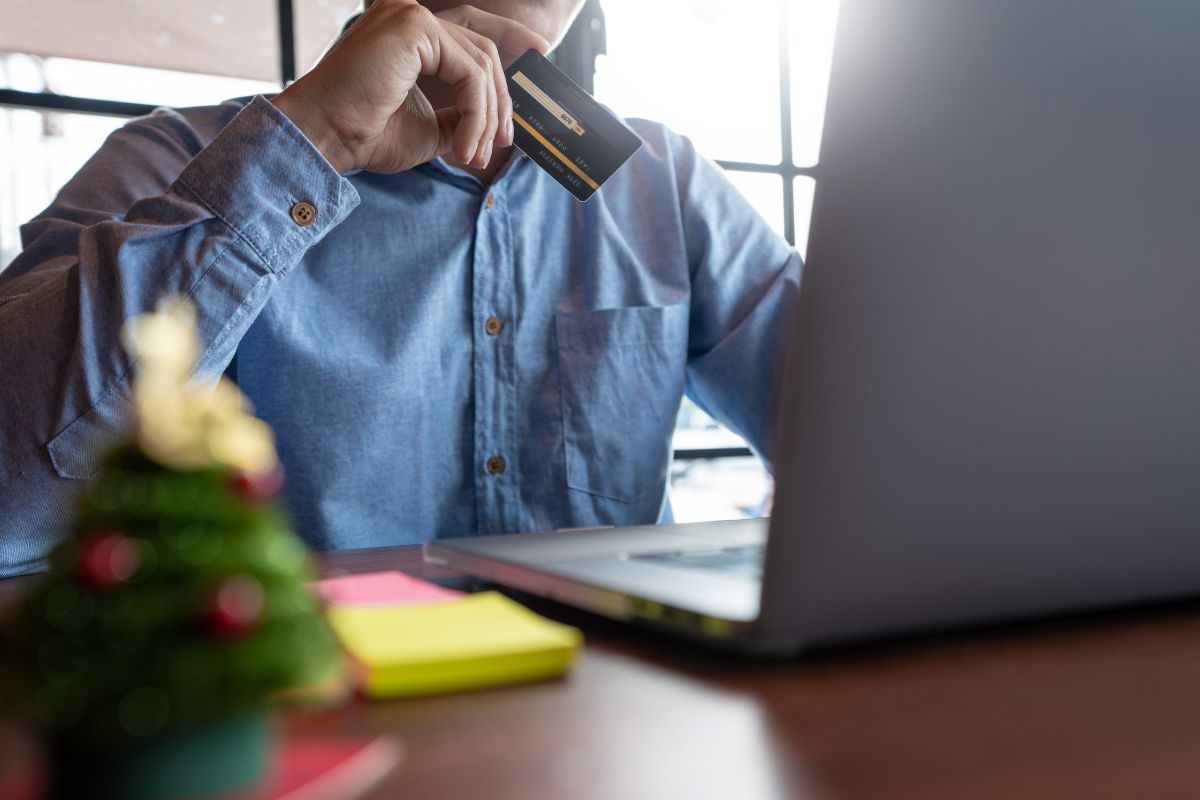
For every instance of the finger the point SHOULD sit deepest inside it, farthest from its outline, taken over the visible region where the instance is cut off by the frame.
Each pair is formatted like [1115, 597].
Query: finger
[445, 59]
[503, 133]
[482, 50]
[508, 34]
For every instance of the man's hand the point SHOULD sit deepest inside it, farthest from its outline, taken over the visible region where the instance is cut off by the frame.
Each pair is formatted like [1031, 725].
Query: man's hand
[361, 107]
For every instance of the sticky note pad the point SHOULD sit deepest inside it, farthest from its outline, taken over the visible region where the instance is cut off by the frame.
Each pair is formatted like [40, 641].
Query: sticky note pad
[380, 589]
[479, 640]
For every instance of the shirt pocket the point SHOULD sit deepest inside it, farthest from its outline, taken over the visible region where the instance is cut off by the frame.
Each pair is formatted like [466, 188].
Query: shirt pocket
[621, 378]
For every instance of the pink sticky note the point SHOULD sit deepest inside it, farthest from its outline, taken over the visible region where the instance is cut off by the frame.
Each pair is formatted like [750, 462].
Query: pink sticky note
[380, 589]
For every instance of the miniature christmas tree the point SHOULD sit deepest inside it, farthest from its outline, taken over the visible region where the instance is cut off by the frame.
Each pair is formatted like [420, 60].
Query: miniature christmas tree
[178, 600]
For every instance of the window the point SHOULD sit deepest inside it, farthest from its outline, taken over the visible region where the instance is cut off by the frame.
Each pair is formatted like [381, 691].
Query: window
[54, 144]
[746, 82]
[63, 88]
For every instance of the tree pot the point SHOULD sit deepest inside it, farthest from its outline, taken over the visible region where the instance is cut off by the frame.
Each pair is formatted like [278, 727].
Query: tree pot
[188, 761]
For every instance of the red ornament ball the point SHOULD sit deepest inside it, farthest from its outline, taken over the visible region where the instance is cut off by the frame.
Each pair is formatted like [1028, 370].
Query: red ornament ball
[258, 487]
[107, 558]
[235, 606]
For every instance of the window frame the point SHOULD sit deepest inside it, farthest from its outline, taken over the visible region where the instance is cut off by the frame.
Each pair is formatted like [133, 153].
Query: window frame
[787, 168]
[285, 28]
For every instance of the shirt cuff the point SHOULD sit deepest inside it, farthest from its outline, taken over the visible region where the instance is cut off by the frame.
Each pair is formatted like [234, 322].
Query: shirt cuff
[255, 172]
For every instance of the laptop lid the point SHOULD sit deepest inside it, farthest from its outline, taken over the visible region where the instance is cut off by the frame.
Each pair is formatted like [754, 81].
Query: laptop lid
[994, 406]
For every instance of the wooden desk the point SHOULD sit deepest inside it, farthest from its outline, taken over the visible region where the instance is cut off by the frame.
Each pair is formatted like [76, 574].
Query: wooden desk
[1099, 708]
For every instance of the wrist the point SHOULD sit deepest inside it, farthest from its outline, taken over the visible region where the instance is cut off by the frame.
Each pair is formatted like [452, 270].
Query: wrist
[309, 119]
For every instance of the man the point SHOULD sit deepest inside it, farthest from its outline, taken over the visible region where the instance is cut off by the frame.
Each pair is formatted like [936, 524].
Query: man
[445, 341]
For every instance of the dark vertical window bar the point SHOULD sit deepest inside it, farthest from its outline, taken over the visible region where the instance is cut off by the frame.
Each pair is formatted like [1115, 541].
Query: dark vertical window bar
[287, 42]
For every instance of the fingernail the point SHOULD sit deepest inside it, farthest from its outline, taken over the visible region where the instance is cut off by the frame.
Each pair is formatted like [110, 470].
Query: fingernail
[508, 125]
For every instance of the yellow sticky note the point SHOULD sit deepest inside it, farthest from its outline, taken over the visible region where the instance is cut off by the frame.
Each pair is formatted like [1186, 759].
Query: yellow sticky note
[480, 640]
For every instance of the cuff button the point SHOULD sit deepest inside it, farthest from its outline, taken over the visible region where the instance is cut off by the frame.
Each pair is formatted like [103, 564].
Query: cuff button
[303, 213]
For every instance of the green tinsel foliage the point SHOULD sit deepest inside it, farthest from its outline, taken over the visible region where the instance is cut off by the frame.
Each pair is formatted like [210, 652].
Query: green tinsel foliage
[104, 664]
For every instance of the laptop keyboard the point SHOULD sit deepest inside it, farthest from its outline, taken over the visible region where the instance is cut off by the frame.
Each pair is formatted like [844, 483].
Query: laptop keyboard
[745, 561]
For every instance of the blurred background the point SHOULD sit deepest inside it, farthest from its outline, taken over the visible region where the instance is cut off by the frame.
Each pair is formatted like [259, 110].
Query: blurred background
[746, 81]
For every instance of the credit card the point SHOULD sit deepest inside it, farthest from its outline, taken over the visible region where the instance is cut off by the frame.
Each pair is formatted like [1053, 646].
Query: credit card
[567, 133]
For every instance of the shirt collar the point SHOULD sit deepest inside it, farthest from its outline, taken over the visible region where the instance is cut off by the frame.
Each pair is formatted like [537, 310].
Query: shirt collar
[440, 164]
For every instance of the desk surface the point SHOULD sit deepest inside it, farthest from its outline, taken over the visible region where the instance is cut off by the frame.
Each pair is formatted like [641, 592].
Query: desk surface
[1099, 708]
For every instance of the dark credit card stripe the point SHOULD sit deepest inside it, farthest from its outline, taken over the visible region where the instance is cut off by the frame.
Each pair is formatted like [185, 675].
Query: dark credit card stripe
[554, 151]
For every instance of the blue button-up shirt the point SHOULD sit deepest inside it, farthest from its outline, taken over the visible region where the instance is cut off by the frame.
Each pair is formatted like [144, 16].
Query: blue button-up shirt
[363, 338]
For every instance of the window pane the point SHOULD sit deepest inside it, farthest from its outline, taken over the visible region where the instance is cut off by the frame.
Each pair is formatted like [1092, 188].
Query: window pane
[318, 22]
[235, 38]
[707, 68]
[120, 82]
[726, 488]
[812, 25]
[765, 193]
[53, 146]
[803, 191]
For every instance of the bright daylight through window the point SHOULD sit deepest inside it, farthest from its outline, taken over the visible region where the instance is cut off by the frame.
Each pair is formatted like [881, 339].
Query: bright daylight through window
[726, 77]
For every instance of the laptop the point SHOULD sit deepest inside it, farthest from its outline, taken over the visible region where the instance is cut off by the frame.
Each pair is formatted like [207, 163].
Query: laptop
[991, 409]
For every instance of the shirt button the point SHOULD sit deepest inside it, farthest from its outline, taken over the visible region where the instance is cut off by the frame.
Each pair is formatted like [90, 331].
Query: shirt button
[495, 465]
[493, 326]
[490, 201]
[303, 213]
